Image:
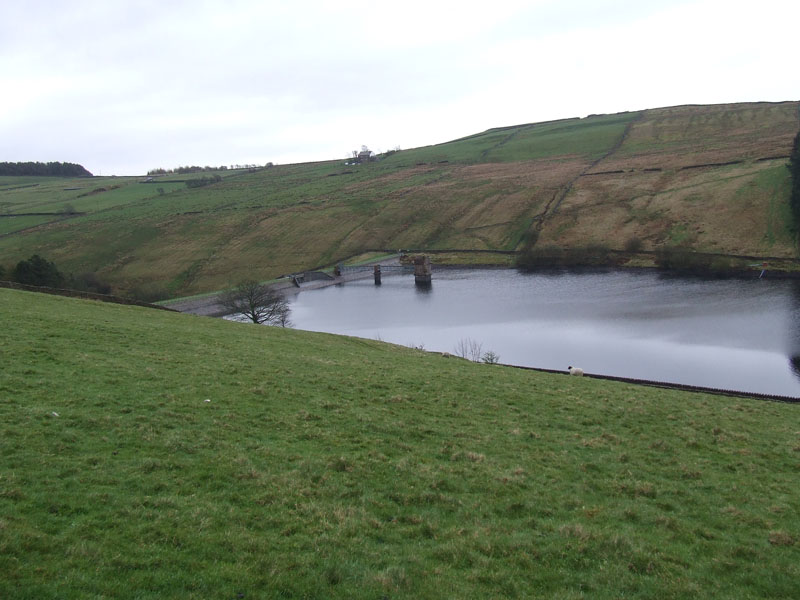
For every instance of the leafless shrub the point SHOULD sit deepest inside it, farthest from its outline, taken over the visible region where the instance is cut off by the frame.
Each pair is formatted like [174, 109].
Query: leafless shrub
[469, 349]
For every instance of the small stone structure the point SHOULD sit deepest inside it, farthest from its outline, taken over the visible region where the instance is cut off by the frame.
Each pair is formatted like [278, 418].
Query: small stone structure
[422, 270]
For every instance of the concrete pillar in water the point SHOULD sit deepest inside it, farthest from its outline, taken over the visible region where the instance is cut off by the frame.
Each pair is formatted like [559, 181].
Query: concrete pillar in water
[422, 270]
[377, 271]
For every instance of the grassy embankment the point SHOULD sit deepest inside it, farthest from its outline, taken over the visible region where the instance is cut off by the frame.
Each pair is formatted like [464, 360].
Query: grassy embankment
[603, 180]
[325, 466]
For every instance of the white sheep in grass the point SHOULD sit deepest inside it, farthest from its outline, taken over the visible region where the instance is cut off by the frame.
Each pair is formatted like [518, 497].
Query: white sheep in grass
[577, 371]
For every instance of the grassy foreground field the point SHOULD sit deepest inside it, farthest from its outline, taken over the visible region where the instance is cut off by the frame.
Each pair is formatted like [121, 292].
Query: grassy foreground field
[709, 178]
[146, 454]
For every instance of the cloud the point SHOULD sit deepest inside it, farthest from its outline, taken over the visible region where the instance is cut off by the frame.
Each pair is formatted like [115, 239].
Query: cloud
[127, 86]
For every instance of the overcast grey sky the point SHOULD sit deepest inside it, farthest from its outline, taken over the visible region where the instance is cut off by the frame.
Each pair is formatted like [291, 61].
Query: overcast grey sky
[125, 86]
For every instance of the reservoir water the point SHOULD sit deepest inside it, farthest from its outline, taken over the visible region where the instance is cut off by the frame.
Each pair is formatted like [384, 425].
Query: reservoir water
[731, 334]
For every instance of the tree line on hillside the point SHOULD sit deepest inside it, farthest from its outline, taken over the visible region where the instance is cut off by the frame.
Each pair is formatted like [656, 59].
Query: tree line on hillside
[195, 169]
[40, 169]
[185, 170]
[41, 272]
[794, 169]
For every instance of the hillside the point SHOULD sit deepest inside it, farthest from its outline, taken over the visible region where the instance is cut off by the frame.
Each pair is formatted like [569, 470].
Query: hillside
[711, 178]
[148, 454]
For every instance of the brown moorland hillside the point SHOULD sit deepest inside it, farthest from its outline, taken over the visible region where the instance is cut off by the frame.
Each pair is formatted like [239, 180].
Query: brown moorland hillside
[709, 178]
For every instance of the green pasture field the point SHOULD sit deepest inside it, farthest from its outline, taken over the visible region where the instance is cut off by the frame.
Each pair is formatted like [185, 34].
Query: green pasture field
[93, 196]
[149, 454]
[12, 224]
[775, 184]
[592, 136]
[19, 181]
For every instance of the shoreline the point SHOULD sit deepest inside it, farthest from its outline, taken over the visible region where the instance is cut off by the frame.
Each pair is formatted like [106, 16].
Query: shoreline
[289, 288]
[208, 305]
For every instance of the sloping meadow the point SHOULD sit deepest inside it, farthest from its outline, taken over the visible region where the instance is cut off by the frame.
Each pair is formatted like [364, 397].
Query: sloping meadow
[146, 454]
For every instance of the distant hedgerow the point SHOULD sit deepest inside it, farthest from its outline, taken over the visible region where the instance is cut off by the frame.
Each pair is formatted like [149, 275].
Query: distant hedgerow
[549, 256]
[203, 181]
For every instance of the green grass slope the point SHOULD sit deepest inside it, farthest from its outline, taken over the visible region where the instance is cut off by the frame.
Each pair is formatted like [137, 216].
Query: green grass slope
[329, 467]
[602, 179]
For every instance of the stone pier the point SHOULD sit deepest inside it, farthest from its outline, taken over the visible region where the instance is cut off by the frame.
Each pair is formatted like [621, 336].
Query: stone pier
[422, 270]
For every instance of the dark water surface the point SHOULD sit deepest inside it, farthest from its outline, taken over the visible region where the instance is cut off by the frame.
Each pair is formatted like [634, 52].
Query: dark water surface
[730, 334]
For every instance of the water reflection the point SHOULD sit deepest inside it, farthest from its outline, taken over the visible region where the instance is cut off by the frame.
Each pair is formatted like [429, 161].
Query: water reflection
[423, 288]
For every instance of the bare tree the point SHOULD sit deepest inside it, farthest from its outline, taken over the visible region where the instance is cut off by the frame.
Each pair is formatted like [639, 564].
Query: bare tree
[259, 303]
[469, 349]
